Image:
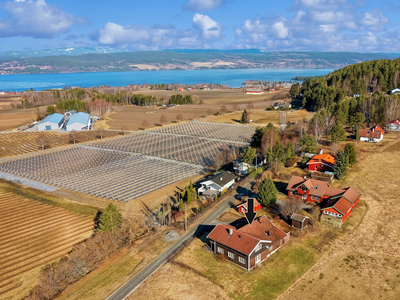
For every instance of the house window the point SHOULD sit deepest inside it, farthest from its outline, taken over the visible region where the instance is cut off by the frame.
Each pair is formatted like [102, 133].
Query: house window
[258, 258]
[270, 248]
[290, 193]
[220, 250]
[316, 167]
[231, 255]
[317, 198]
[312, 197]
[242, 260]
[259, 246]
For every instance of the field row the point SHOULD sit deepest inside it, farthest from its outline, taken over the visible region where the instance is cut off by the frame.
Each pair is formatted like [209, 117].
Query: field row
[226, 132]
[33, 234]
[109, 174]
[17, 143]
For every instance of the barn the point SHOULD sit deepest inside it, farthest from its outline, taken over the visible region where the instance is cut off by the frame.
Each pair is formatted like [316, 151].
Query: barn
[254, 92]
[51, 122]
[321, 163]
[79, 121]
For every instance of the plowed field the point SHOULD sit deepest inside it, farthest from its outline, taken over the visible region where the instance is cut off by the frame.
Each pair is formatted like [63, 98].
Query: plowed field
[33, 234]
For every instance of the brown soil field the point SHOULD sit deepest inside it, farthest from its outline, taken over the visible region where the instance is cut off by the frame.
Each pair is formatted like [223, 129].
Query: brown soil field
[13, 118]
[18, 143]
[33, 234]
[365, 264]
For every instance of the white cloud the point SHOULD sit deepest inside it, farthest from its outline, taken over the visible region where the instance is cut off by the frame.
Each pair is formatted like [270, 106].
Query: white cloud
[209, 28]
[320, 25]
[160, 36]
[202, 5]
[35, 19]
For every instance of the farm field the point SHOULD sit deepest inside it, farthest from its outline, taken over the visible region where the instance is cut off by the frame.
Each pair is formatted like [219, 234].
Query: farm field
[18, 143]
[132, 166]
[33, 234]
[13, 118]
[359, 261]
[365, 264]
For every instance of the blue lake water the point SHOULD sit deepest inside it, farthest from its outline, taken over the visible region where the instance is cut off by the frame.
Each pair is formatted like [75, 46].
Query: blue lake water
[233, 78]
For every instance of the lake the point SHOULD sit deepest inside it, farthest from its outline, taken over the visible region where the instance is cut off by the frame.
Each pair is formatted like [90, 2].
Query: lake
[233, 78]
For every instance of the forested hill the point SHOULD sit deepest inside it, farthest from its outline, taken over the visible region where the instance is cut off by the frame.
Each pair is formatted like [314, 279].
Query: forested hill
[184, 59]
[366, 83]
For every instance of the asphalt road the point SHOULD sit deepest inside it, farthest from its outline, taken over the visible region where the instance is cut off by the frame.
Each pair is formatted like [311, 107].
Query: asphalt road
[210, 219]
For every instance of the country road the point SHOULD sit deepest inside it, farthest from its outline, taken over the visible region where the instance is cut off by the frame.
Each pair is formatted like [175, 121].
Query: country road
[209, 219]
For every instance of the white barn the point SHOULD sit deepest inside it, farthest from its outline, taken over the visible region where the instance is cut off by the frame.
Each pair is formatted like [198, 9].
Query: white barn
[394, 125]
[51, 122]
[79, 121]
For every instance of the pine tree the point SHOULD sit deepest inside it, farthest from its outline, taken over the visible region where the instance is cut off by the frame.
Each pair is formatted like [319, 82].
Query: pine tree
[245, 117]
[110, 218]
[337, 133]
[181, 207]
[248, 155]
[267, 192]
[279, 152]
[308, 143]
[289, 151]
[350, 152]
[188, 195]
[341, 165]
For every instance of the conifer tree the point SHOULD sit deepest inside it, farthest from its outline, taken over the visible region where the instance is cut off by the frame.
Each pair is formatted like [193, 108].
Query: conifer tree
[110, 218]
[350, 152]
[245, 117]
[337, 133]
[341, 165]
[267, 192]
[189, 195]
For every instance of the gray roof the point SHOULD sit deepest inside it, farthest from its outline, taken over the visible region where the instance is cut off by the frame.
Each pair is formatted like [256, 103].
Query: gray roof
[298, 217]
[222, 178]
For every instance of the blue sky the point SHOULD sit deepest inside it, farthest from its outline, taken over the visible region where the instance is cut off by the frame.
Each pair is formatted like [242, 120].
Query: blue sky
[285, 25]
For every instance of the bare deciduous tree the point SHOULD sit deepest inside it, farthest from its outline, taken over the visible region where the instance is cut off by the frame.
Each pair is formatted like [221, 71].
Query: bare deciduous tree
[179, 117]
[223, 109]
[289, 206]
[72, 137]
[163, 119]
[145, 124]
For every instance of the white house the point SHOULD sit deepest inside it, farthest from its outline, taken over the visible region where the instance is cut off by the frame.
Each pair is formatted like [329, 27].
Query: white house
[394, 125]
[218, 182]
[395, 91]
[79, 121]
[373, 135]
[51, 122]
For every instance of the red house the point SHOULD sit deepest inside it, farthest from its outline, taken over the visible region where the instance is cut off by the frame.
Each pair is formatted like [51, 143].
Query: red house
[340, 202]
[242, 208]
[249, 245]
[322, 163]
[378, 128]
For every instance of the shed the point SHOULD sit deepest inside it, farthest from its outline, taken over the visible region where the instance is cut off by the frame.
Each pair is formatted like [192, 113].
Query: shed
[299, 221]
[79, 121]
[51, 122]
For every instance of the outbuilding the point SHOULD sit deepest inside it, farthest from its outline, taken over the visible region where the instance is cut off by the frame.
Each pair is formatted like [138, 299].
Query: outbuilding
[299, 221]
[79, 121]
[51, 122]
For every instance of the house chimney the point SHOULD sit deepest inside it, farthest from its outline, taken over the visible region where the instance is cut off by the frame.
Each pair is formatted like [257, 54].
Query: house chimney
[230, 231]
[267, 232]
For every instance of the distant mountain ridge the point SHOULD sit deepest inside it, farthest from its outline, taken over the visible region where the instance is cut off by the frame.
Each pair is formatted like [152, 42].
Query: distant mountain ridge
[69, 60]
[57, 52]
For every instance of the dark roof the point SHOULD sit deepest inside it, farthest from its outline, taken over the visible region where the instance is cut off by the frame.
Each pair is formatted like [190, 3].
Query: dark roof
[298, 217]
[222, 178]
[245, 239]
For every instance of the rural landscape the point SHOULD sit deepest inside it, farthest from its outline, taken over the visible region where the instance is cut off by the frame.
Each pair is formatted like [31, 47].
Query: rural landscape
[199, 150]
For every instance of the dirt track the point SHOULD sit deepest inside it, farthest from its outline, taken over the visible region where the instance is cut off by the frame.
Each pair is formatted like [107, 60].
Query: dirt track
[364, 264]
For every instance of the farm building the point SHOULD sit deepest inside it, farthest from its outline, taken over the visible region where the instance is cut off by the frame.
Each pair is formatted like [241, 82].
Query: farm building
[394, 125]
[249, 245]
[299, 221]
[242, 208]
[338, 209]
[219, 182]
[79, 121]
[373, 135]
[311, 190]
[51, 122]
[254, 92]
[321, 163]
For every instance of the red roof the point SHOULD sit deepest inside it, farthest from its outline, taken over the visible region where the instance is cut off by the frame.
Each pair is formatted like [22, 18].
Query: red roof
[245, 239]
[378, 128]
[327, 159]
[316, 187]
[340, 204]
[368, 133]
[256, 204]
[396, 122]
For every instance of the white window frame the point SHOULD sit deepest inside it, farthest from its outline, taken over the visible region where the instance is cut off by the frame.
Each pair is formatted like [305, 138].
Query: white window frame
[259, 246]
[270, 248]
[258, 258]
[220, 250]
[242, 260]
[231, 255]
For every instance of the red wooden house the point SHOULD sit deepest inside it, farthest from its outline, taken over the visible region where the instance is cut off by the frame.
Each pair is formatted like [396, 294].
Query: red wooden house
[249, 245]
[340, 202]
[242, 208]
[322, 163]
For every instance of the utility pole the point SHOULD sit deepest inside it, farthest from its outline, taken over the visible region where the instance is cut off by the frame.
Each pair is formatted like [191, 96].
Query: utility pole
[185, 217]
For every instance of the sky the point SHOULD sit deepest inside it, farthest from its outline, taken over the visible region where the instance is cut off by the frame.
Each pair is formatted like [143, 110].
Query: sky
[270, 25]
